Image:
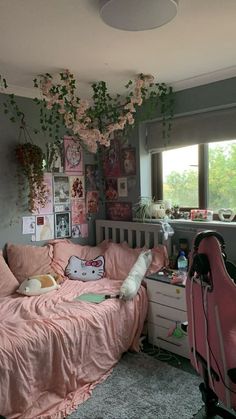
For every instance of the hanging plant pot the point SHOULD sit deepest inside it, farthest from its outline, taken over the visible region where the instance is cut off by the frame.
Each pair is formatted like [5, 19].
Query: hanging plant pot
[30, 158]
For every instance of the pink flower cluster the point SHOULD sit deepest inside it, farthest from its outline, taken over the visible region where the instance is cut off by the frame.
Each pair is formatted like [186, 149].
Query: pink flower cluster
[60, 95]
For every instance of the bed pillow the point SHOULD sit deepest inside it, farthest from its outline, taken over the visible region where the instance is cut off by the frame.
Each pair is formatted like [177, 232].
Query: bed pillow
[159, 259]
[27, 260]
[37, 285]
[8, 282]
[64, 249]
[132, 282]
[85, 270]
[119, 259]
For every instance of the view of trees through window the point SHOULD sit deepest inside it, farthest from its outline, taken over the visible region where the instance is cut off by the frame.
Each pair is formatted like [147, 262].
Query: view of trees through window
[180, 175]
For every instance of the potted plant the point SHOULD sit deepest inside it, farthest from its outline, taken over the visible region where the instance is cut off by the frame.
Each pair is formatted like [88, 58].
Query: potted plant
[30, 158]
[142, 209]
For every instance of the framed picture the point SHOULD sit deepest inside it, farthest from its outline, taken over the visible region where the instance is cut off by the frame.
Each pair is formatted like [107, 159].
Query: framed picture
[119, 211]
[73, 153]
[62, 225]
[128, 161]
[78, 212]
[61, 189]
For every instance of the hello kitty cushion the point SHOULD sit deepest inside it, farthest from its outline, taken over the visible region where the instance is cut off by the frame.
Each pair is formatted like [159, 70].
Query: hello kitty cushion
[85, 270]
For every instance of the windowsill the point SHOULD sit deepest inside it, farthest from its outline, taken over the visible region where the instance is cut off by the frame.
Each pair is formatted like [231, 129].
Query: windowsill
[192, 223]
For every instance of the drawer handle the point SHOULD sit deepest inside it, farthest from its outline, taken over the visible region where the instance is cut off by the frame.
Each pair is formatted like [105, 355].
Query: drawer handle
[165, 318]
[167, 295]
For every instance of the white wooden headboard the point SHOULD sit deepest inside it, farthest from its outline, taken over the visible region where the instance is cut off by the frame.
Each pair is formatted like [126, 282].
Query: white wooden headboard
[136, 234]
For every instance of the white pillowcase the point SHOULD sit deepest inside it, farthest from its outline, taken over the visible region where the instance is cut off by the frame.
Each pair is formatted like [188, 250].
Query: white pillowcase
[132, 282]
[37, 285]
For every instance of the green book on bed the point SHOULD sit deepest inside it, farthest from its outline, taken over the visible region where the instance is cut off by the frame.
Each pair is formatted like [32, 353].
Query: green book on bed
[95, 298]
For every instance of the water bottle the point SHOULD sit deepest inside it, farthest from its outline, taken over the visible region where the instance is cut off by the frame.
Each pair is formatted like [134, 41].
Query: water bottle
[182, 265]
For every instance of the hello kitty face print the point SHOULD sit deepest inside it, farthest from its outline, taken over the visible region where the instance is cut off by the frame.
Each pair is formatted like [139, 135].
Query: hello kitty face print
[85, 270]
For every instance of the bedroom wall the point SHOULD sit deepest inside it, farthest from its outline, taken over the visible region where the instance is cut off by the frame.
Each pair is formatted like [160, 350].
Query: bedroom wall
[11, 207]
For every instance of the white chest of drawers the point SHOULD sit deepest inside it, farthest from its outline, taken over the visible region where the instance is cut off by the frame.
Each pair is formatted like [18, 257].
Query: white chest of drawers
[167, 309]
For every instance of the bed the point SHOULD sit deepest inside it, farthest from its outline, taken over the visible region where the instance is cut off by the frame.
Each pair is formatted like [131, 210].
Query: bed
[53, 349]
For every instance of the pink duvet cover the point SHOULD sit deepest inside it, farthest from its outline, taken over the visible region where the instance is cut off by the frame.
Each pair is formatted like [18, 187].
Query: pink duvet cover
[53, 350]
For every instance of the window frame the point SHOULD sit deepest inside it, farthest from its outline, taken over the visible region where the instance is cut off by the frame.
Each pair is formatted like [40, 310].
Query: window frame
[203, 172]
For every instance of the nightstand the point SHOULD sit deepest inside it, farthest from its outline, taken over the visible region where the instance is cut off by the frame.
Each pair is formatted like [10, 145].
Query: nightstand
[167, 309]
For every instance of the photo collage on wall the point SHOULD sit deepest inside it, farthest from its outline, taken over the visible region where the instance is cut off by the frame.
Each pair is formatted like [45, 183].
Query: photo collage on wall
[120, 176]
[73, 192]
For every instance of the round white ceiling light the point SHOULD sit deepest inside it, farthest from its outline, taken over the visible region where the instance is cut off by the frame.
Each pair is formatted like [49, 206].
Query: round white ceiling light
[137, 15]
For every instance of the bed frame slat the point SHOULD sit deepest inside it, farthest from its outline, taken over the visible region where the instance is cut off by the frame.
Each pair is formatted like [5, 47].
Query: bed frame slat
[137, 234]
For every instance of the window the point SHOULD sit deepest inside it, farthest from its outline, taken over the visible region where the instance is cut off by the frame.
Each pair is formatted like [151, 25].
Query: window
[180, 176]
[200, 176]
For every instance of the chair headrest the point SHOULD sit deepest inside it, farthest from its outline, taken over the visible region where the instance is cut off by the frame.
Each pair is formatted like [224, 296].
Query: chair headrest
[208, 233]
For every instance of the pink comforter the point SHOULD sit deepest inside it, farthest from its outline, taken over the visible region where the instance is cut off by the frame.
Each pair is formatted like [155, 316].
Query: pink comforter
[53, 350]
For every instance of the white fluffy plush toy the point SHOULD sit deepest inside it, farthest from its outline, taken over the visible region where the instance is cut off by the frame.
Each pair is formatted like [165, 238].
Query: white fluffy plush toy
[132, 283]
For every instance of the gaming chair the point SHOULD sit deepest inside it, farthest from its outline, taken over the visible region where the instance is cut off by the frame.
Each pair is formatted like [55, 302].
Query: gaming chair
[211, 309]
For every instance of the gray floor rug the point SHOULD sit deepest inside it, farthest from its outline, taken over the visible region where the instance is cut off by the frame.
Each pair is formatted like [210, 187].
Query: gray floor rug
[141, 387]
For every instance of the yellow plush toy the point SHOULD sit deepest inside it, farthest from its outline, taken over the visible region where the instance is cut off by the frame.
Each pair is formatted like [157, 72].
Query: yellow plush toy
[38, 284]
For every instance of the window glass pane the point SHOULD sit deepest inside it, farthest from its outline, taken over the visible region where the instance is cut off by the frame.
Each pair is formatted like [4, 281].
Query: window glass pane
[180, 176]
[222, 175]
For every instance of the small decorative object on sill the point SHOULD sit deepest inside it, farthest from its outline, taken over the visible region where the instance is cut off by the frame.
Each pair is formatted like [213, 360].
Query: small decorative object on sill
[226, 214]
[201, 215]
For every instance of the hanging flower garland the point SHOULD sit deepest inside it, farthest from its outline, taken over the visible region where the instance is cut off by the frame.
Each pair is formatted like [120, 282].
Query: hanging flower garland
[94, 124]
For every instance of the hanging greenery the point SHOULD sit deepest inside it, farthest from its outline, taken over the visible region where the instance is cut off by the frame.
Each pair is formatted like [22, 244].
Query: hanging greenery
[30, 158]
[94, 122]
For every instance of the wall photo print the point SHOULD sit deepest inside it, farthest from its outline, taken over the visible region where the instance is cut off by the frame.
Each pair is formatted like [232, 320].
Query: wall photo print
[76, 187]
[61, 189]
[122, 187]
[91, 177]
[111, 192]
[119, 211]
[111, 162]
[128, 161]
[62, 225]
[73, 154]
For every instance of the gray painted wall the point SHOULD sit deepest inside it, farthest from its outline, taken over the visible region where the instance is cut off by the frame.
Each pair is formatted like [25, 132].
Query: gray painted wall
[12, 208]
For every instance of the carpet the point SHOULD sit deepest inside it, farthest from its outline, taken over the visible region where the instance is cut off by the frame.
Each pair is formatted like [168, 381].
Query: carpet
[141, 387]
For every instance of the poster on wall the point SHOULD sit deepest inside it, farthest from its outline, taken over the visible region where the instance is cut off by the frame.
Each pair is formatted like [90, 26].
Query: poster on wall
[111, 192]
[122, 187]
[44, 227]
[119, 211]
[28, 224]
[73, 153]
[77, 187]
[128, 161]
[79, 230]
[78, 212]
[92, 180]
[48, 208]
[111, 160]
[61, 189]
[62, 225]
[92, 198]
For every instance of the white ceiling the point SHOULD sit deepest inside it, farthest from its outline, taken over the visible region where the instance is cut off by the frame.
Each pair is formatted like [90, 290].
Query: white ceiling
[38, 36]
